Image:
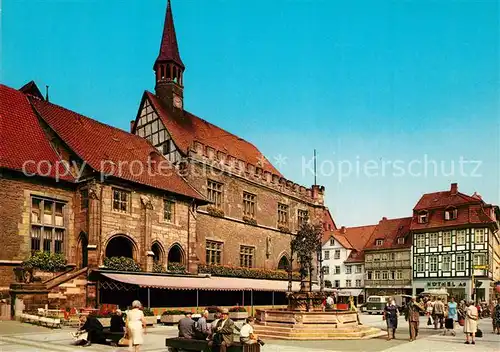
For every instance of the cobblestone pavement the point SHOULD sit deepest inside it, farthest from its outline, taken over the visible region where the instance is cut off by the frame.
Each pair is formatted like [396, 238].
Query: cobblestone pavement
[19, 337]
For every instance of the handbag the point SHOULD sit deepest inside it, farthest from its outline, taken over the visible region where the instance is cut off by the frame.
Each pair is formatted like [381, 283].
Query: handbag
[124, 341]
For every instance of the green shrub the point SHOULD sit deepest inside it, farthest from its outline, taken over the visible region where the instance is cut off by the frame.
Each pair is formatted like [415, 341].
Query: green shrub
[45, 261]
[173, 312]
[237, 309]
[148, 312]
[176, 268]
[220, 270]
[121, 264]
[158, 268]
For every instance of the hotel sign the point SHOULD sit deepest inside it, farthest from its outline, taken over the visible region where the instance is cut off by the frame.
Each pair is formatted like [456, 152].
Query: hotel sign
[451, 284]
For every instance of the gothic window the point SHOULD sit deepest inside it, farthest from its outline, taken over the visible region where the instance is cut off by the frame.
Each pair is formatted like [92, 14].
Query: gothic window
[302, 216]
[249, 205]
[121, 200]
[282, 214]
[214, 193]
[213, 252]
[246, 256]
[47, 225]
[168, 210]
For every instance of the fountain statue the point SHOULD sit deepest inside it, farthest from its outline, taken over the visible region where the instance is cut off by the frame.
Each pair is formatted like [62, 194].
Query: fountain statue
[305, 318]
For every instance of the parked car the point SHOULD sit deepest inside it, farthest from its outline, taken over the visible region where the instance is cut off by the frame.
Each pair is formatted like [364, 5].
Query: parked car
[376, 304]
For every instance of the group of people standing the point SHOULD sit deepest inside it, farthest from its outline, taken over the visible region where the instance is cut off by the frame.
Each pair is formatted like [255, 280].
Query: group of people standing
[440, 314]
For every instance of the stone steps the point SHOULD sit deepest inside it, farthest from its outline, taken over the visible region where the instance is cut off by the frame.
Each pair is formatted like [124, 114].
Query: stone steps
[336, 334]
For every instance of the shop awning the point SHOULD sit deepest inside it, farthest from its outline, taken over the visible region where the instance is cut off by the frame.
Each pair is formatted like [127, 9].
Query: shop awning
[346, 292]
[203, 283]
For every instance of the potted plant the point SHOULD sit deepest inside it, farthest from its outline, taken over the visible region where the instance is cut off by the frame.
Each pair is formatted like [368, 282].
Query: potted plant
[149, 316]
[172, 316]
[238, 313]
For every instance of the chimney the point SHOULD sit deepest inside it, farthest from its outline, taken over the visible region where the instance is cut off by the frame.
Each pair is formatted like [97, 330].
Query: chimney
[132, 123]
[343, 230]
[454, 189]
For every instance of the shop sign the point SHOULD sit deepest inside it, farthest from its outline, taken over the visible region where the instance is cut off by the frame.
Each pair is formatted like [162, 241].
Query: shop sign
[437, 284]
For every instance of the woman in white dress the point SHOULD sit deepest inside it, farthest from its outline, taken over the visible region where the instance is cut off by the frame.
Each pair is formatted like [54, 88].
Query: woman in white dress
[136, 325]
[470, 326]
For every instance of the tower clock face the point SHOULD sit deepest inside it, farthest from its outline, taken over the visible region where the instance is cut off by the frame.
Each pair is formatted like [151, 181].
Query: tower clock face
[177, 102]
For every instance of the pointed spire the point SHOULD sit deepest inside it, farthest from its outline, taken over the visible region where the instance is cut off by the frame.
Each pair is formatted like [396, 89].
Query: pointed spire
[169, 50]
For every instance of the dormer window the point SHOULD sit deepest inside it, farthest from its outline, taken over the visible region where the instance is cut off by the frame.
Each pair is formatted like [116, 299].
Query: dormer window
[450, 213]
[401, 240]
[332, 241]
[379, 242]
[423, 217]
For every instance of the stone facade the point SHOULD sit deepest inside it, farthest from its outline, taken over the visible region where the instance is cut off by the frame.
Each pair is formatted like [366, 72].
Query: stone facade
[269, 238]
[15, 208]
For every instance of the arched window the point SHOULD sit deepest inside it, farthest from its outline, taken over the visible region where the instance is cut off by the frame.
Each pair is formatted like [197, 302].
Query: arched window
[157, 253]
[284, 263]
[120, 246]
[175, 254]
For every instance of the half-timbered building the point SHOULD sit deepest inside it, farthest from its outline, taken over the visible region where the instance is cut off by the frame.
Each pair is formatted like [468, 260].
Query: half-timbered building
[455, 239]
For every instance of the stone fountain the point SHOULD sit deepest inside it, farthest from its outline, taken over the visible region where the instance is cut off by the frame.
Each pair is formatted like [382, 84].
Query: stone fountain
[304, 318]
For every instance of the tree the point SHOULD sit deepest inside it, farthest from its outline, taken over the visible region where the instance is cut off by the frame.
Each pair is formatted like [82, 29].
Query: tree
[307, 243]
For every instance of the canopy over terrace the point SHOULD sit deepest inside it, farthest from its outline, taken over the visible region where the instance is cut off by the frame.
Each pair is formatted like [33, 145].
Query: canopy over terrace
[119, 281]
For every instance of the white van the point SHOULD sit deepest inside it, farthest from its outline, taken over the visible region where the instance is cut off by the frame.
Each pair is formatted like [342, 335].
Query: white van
[376, 304]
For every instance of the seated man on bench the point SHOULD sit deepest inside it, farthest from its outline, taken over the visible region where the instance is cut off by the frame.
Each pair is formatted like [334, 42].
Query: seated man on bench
[223, 333]
[90, 332]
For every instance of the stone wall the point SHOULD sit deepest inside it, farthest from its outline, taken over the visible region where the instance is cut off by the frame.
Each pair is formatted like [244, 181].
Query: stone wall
[269, 242]
[15, 204]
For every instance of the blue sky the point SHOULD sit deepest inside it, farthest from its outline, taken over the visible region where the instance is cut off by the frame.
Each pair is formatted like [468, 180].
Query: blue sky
[367, 82]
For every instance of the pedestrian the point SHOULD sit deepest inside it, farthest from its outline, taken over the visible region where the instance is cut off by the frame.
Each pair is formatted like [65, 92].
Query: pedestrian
[412, 316]
[470, 326]
[117, 324]
[136, 326]
[438, 313]
[496, 318]
[329, 302]
[429, 307]
[353, 308]
[390, 316]
[452, 315]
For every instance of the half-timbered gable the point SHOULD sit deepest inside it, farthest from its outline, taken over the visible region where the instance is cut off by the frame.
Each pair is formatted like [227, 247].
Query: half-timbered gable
[453, 242]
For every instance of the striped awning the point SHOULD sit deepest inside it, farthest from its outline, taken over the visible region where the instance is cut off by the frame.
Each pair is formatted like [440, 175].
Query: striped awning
[203, 283]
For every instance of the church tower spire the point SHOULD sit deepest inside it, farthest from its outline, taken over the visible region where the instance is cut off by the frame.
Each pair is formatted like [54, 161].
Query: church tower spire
[168, 67]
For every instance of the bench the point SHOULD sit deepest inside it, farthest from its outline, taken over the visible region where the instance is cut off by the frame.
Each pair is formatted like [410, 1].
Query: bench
[114, 337]
[179, 343]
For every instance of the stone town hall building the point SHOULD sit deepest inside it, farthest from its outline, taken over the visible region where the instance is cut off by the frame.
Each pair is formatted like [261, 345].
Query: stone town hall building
[72, 185]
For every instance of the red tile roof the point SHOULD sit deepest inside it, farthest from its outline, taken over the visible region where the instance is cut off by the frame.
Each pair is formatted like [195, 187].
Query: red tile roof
[23, 143]
[186, 129]
[354, 238]
[444, 199]
[389, 230]
[169, 49]
[470, 210]
[104, 148]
